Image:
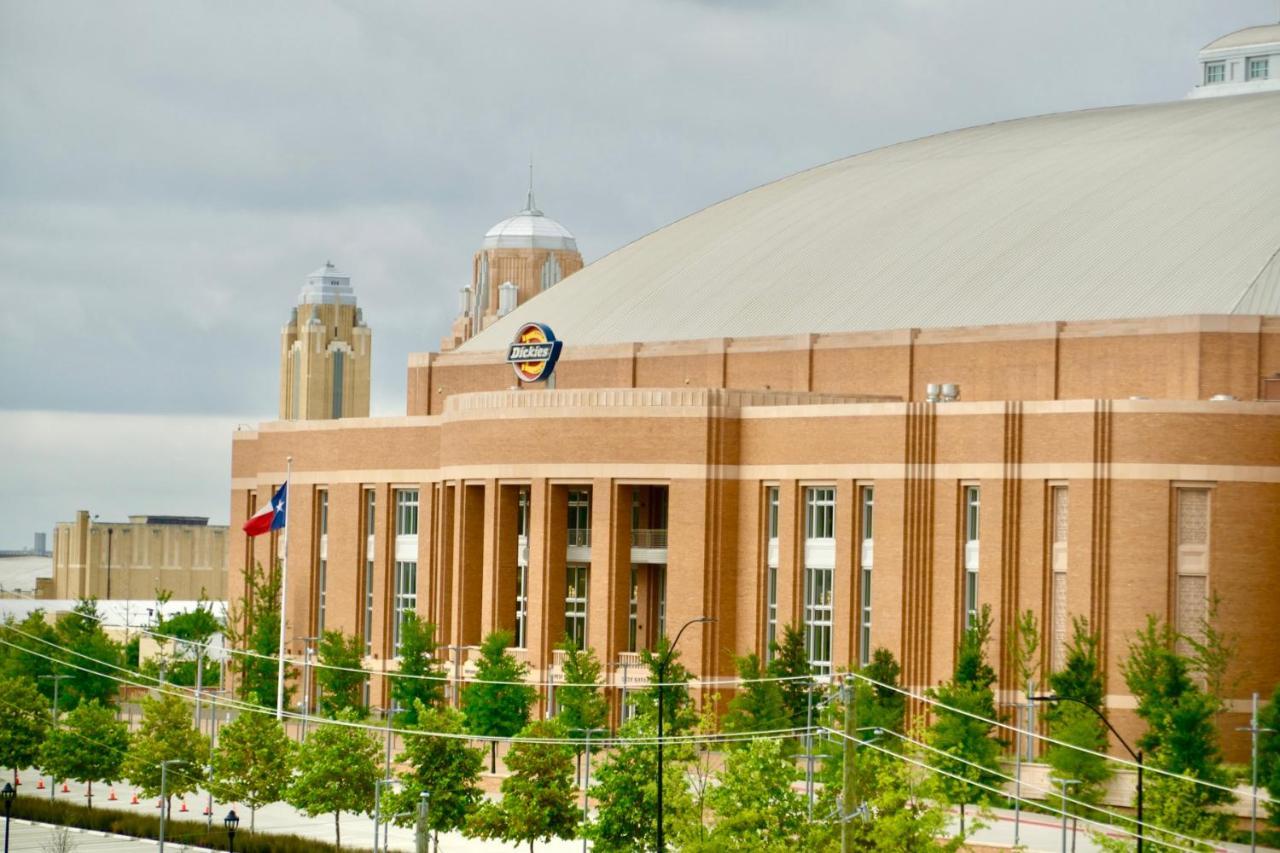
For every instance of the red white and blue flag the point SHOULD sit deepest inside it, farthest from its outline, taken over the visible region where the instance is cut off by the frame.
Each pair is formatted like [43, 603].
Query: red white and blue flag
[271, 516]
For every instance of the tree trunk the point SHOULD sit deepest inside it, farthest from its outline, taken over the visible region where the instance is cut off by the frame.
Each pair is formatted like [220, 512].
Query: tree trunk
[89, 796]
[253, 814]
[337, 832]
[493, 761]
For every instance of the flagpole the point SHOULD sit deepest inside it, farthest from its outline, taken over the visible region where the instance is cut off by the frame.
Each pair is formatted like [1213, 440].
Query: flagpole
[284, 593]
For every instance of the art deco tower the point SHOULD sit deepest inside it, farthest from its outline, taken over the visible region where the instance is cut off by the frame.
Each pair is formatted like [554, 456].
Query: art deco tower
[324, 352]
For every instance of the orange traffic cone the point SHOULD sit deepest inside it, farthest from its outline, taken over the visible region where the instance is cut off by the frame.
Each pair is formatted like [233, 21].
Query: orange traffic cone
[40, 784]
[206, 810]
[65, 789]
[184, 806]
[17, 780]
[134, 801]
[159, 804]
[112, 798]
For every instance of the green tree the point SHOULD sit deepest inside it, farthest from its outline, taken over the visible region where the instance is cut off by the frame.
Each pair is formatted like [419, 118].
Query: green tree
[758, 705]
[626, 793]
[186, 633]
[679, 714]
[338, 768]
[422, 677]
[579, 703]
[966, 746]
[1081, 679]
[24, 723]
[880, 703]
[1026, 648]
[497, 703]
[1181, 734]
[1269, 757]
[440, 763]
[32, 654]
[899, 810]
[538, 797]
[89, 746]
[253, 762]
[340, 675]
[166, 733]
[93, 657]
[755, 805]
[790, 662]
[256, 629]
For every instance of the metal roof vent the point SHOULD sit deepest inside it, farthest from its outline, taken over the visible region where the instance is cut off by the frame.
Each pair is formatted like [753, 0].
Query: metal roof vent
[1223, 398]
[947, 392]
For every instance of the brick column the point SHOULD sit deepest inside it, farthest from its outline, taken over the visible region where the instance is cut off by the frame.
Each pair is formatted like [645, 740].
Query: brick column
[609, 596]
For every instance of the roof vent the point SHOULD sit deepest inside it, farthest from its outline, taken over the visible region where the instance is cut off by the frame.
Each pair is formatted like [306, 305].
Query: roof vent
[1222, 398]
[948, 392]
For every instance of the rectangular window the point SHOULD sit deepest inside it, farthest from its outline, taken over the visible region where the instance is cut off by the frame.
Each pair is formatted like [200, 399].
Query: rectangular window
[1215, 72]
[1192, 564]
[866, 559]
[575, 605]
[662, 601]
[1058, 504]
[771, 512]
[337, 383]
[771, 621]
[1258, 67]
[370, 520]
[406, 596]
[406, 512]
[972, 505]
[322, 570]
[817, 618]
[522, 513]
[820, 513]
[522, 606]
[579, 518]
[634, 609]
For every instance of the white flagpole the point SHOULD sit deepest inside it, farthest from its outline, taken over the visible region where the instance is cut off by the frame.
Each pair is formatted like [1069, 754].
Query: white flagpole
[284, 592]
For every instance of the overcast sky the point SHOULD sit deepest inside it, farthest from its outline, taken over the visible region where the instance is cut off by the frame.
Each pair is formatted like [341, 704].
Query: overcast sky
[171, 171]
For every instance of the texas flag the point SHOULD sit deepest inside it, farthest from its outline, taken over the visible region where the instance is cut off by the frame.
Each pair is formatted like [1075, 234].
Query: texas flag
[271, 516]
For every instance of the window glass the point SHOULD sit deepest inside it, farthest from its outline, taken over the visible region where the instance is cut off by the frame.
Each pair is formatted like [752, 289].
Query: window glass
[406, 512]
[820, 511]
[575, 605]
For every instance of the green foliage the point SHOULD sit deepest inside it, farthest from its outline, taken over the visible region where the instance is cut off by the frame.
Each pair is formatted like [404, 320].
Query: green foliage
[338, 766]
[626, 793]
[1081, 679]
[579, 703]
[880, 705]
[341, 688]
[538, 797]
[36, 643]
[195, 626]
[185, 634]
[88, 747]
[1026, 648]
[253, 762]
[971, 751]
[758, 705]
[790, 661]
[166, 734]
[261, 615]
[899, 810]
[190, 833]
[1269, 756]
[24, 722]
[446, 768]
[1184, 807]
[499, 709]
[677, 707]
[93, 657]
[424, 676]
[755, 805]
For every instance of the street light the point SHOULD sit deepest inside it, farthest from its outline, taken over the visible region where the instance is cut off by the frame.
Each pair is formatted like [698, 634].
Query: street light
[1137, 756]
[231, 821]
[662, 680]
[7, 794]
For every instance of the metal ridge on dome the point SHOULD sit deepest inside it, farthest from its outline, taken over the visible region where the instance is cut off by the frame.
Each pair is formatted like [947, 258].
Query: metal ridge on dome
[1097, 214]
[1261, 34]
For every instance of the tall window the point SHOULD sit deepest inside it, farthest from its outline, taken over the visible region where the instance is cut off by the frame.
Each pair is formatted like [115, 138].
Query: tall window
[575, 605]
[771, 570]
[820, 504]
[971, 532]
[522, 569]
[633, 610]
[1257, 68]
[1215, 72]
[337, 383]
[405, 582]
[866, 558]
[1058, 507]
[406, 595]
[579, 518]
[322, 570]
[1192, 564]
[370, 519]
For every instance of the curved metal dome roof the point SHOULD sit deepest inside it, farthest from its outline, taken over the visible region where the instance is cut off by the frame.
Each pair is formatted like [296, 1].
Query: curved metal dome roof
[530, 229]
[1264, 34]
[1139, 211]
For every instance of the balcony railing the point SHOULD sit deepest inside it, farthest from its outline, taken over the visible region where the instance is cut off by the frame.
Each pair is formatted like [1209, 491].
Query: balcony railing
[579, 537]
[641, 538]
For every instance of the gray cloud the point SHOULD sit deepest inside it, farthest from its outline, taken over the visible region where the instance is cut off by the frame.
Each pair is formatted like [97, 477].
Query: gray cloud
[170, 171]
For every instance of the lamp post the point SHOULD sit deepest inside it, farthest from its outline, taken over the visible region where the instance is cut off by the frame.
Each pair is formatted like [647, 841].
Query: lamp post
[164, 795]
[53, 714]
[1137, 756]
[231, 821]
[7, 794]
[586, 782]
[662, 680]
[423, 840]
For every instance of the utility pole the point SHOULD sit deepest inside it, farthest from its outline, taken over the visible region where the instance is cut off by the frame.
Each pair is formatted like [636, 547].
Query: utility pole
[164, 796]
[808, 749]
[306, 684]
[1064, 783]
[848, 691]
[422, 838]
[109, 532]
[586, 783]
[53, 715]
[1253, 730]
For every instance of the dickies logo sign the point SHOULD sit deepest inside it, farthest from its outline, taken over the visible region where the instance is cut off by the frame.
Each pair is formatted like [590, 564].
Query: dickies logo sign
[534, 352]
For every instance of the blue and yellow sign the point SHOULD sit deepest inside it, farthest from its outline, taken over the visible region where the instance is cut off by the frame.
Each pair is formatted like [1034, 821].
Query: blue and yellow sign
[534, 352]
